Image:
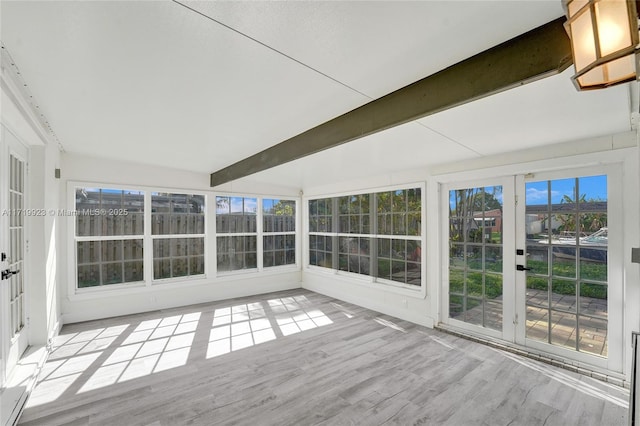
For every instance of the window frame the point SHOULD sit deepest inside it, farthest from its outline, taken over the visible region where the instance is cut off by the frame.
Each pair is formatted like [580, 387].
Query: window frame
[369, 281]
[285, 234]
[75, 239]
[259, 234]
[211, 275]
[154, 237]
[148, 281]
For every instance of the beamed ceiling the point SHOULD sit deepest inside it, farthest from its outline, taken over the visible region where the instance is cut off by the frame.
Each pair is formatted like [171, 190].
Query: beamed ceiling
[202, 85]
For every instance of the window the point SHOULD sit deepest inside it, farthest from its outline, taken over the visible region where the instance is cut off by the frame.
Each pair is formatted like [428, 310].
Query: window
[377, 234]
[177, 228]
[109, 236]
[237, 218]
[279, 232]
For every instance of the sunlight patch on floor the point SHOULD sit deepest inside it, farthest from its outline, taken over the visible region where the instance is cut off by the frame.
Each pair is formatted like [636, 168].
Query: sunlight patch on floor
[242, 326]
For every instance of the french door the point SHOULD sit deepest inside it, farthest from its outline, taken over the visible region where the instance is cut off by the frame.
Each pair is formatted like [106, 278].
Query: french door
[530, 261]
[13, 335]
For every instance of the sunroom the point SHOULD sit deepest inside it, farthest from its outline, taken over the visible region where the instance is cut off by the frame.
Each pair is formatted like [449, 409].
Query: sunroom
[158, 155]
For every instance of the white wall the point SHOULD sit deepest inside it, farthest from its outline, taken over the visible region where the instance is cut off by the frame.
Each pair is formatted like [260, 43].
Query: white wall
[44, 240]
[106, 302]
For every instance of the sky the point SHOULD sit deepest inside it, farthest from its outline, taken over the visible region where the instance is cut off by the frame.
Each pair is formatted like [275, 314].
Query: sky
[593, 187]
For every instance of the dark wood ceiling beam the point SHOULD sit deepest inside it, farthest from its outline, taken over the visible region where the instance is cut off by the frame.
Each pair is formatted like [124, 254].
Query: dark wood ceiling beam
[531, 56]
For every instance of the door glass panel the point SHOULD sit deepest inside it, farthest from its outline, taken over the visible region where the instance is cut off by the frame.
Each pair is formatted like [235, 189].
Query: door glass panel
[567, 246]
[475, 256]
[16, 245]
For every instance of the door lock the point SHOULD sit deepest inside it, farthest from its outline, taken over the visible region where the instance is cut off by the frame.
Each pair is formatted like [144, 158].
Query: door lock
[8, 273]
[522, 268]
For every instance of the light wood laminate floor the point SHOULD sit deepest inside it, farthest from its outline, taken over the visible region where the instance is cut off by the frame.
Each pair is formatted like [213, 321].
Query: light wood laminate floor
[300, 358]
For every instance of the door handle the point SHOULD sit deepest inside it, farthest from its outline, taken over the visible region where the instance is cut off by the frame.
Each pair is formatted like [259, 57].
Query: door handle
[7, 273]
[522, 268]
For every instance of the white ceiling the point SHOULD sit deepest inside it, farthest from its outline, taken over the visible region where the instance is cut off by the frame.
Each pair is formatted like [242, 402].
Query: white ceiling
[201, 85]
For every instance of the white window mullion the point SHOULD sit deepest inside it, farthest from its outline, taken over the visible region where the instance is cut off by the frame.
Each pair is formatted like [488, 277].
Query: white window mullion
[210, 249]
[148, 241]
[259, 239]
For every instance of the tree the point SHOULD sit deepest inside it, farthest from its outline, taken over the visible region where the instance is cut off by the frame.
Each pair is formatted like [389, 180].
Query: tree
[465, 206]
[589, 222]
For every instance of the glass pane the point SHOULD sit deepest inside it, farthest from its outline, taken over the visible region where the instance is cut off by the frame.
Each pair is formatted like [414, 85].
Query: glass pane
[162, 269]
[354, 224]
[384, 268]
[456, 281]
[133, 271]
[593, 300]
[399, 201]
[179, 266]
[399, 223]
[88, 225]
[111, 251]
[112, 273]
[278, 215]
[563, 295]
[475, 311]
[196, 265]
[279, 258]
[251, 260]
[398, 249]
[563, 329]
[89, 252]
[161, 248]
[384, 224]
[88, 276]
[493, 315]
[268, 259]
[196, 246]
[179, 223]
[133, 249]
[537, 324]
[414, 226]
[538, 292]
[456, 255]
[456, 307]
[133, 202]
[593, 335]
[104, 211]
[384, 202]
[593, 264]
[161, 223]
[178, 247]
[223, 262]
[290, 257]
[493, 286]
[564, 261]
[474, 257]
[133, 224]
[474, 284]
[538, 259]
[268, 243]
[563, 195]
[398, 271]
